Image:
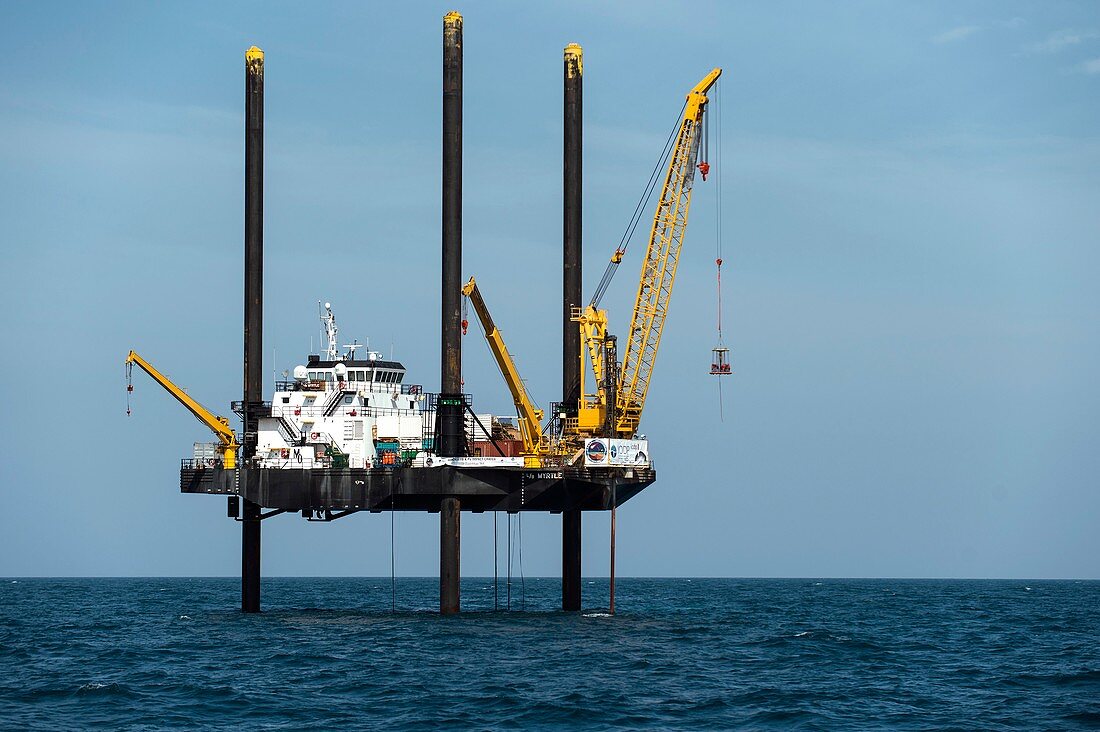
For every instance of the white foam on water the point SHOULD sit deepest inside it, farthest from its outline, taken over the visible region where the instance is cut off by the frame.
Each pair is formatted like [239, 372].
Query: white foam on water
[803, 634]
[93, 686]
[185, 617]
[598, 615]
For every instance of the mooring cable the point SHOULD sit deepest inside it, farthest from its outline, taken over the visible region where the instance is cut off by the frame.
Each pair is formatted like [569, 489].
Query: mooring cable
[522, 584]
[393, 560]
[508, 582]
[496, 593]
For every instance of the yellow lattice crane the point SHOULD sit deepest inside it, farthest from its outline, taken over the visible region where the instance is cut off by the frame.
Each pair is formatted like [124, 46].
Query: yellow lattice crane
[227, 439]
[615, 407]
[535, 444]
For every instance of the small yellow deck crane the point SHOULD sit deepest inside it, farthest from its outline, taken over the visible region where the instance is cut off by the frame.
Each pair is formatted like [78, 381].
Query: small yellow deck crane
[616, 405]
[227, 439]
[536, 445]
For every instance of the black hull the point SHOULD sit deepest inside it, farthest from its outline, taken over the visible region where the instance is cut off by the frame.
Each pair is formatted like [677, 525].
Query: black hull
[422, 489]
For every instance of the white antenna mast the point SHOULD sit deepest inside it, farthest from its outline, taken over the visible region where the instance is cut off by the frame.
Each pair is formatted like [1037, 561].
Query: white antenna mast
[328, 322]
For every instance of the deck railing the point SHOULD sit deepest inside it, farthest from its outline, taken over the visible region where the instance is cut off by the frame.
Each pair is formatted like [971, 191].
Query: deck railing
[376, 387]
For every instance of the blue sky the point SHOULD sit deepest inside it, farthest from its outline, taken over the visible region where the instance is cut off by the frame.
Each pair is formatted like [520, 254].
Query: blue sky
[910, 230]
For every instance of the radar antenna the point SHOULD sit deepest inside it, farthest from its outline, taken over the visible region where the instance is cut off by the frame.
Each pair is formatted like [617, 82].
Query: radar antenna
[351, 349]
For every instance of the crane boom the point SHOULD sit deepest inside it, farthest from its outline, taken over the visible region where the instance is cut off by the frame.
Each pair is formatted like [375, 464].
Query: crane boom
[218, 425]
[530, 417]
[659, 267]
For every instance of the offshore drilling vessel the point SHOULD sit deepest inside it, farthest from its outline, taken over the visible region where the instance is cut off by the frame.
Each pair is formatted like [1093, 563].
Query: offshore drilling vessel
[346, 433]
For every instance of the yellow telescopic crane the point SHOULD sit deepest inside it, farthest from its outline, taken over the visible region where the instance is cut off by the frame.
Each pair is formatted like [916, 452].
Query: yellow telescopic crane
[228, 445]
[654, 285]
[535, 444]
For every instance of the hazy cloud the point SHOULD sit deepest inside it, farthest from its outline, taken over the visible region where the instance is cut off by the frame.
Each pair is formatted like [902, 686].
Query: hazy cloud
[1062, 39]
[955, 34]
[1091, 67]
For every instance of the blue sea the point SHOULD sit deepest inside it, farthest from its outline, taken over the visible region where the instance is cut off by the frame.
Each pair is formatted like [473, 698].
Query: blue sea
[678, 654]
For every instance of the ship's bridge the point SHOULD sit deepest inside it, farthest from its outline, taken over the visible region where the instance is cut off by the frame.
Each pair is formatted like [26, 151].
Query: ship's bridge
[369, 374]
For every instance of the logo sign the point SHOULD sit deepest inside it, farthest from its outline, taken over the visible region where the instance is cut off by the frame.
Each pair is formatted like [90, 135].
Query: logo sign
[600, 451]
[595, 452]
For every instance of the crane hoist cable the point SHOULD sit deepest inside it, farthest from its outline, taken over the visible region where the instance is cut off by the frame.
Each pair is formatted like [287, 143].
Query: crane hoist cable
[617, 404]
[660, 263]
[720, 364]
[718, 196]
[639, 210]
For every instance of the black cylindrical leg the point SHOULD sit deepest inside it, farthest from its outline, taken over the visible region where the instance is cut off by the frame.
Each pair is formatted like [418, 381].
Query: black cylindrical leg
[250, 558]
[449, 556]
[571, 229]
[450, 407]
[571, 559]
[450, 413]
[571, 298]
[253, 313]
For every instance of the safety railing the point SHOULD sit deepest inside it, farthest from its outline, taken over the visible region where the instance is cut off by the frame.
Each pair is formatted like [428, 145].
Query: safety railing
[344, 410]
[326, 463]
[200, 463]
[377, 387]
[238, 407]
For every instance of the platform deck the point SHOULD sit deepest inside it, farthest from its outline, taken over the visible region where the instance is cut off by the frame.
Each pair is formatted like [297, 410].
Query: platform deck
[423, 489]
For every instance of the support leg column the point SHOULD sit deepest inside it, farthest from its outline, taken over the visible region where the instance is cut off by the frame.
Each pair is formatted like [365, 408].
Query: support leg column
[449, 556]
[253, 314]
[571, 560]
[250, 558]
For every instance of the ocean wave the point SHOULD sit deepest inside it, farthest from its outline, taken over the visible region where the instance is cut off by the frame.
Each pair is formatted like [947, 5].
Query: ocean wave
[722, 654]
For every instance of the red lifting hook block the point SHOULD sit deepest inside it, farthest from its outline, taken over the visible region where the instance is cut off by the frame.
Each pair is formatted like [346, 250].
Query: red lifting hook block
[704, 168]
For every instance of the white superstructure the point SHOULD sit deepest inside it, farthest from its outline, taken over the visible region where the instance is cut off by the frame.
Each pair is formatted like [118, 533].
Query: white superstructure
[343, 411]
[346, 410]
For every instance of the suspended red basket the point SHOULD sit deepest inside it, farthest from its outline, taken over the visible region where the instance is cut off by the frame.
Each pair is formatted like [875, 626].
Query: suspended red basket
[719, 362]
